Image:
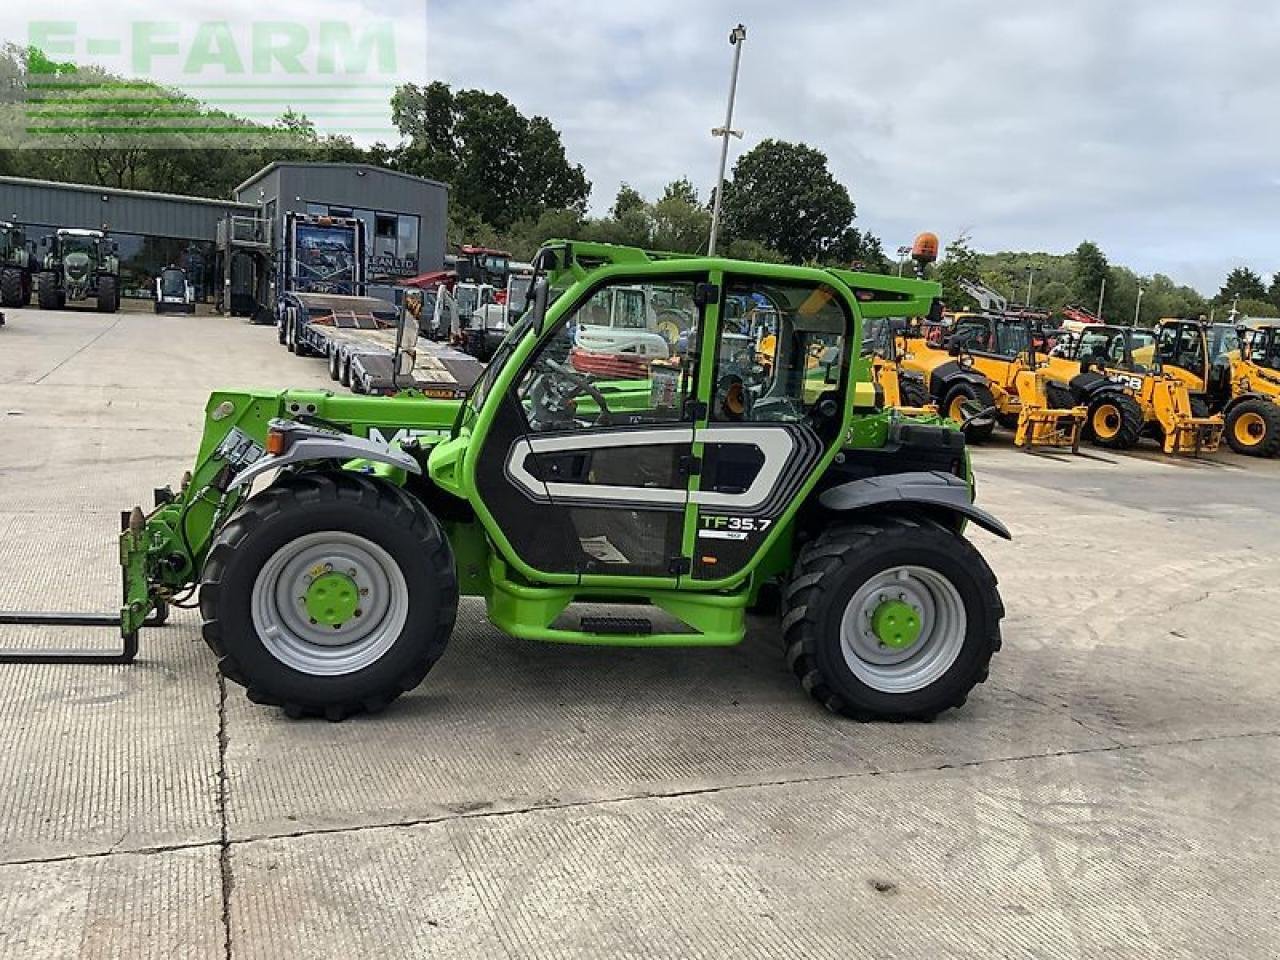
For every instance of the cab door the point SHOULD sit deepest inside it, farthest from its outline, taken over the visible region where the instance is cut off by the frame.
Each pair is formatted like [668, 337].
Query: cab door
[773, 408]
[587, 463]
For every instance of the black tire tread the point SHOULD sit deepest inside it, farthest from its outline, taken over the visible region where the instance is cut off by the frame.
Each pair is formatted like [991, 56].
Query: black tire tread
[821, 558]
[981, 396]
[1131, 421]
[313, 489]
[47, 291]
[11, 287]
[1270, 413]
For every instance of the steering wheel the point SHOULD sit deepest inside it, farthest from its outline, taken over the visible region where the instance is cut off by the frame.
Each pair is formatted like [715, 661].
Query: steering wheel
[556, 372]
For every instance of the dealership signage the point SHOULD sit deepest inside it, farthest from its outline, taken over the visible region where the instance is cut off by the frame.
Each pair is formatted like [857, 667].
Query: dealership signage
[385, 265]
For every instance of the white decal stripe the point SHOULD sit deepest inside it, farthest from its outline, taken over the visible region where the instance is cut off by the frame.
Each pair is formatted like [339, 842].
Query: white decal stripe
[775, 442]
[777, 445]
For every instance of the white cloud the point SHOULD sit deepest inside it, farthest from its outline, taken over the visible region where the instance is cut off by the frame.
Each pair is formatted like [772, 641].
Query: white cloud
[1147, 126]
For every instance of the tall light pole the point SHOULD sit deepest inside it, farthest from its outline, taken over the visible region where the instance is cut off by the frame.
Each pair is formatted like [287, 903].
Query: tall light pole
[1031, 272]
[1137, 311]
[737, 37]
[1102, 295]
[903, 253]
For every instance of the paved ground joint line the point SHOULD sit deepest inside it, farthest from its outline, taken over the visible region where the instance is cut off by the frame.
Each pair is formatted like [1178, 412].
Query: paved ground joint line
[752, 785]
[224, 830]
[225, 843]
[75, 353]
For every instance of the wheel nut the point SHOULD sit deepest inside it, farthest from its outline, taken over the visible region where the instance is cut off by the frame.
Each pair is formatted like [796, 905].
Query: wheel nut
[313, 620]
[359, 612]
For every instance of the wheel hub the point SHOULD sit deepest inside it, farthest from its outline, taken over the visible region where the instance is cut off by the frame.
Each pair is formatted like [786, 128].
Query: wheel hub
[903, 629]
[896, 624]
[333, 599]
[329, 603]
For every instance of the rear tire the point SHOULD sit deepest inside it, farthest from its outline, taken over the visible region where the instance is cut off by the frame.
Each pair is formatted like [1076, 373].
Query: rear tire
[402, 567]
[47, 291]
[884, 564]
[108, 295]
[333, 363]
[973, 395]
[344, 371]
[1253, 428]
[1115, 421]
[282, 332]
[11, 288]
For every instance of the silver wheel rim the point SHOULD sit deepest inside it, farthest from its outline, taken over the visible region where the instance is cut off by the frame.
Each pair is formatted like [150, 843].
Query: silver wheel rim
[942, 632]
[285, 627]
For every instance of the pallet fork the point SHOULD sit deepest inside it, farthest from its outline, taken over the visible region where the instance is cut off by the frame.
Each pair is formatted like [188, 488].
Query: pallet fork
[127, 652]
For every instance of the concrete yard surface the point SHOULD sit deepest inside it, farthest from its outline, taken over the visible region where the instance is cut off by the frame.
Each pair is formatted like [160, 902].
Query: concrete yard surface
[1111, 791]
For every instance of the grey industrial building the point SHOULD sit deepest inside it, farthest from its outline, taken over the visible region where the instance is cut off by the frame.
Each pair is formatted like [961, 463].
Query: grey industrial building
[405, 218]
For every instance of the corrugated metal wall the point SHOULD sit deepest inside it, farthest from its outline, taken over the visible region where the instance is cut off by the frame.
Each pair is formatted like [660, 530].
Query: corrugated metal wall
[66, 205]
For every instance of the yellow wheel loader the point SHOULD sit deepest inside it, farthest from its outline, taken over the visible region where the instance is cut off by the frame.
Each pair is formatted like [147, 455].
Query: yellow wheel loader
[1116, 372]
[989, 361]
[1234, 371]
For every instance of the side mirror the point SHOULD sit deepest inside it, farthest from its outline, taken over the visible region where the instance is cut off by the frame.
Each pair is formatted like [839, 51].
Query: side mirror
[953, 347]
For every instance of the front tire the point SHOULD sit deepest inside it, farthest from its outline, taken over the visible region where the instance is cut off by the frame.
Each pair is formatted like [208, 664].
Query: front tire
[329, 595]
[971, 396]
[11, 288]
[47, 294]
[108, 295]
[1253, 428]
[912, 392]
[1115, 421]
[891, 620]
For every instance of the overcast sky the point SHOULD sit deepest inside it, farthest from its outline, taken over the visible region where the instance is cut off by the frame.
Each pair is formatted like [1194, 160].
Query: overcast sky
[1148, 126]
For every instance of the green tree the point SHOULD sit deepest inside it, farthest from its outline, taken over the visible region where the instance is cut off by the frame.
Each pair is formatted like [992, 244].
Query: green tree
[628, 199]
[1089, 273]
[1273, 292]
[1257, 308]
[1243, 283]
[503, 165]
[959, 262]
[783, 196]
[682, 190]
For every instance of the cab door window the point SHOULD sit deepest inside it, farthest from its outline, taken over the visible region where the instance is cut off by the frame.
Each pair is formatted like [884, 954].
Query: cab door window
[785, 350]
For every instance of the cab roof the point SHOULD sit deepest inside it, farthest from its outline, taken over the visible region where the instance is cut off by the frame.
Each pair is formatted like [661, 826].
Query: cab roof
[878, 295]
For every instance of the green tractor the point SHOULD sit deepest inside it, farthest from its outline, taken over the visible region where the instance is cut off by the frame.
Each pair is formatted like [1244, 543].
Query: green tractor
[79, 265]
[650, 505]
[17, 266]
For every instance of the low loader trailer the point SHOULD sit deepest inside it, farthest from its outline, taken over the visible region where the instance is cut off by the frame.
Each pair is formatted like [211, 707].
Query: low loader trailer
[358, 337]
[326, 539]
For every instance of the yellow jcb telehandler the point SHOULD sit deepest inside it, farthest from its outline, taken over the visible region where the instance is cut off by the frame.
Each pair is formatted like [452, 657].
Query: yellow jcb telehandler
[1116, 373]
[1234, 371]
[988, 361]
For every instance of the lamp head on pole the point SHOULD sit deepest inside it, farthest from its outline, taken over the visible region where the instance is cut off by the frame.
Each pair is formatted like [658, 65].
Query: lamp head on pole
[737, 35]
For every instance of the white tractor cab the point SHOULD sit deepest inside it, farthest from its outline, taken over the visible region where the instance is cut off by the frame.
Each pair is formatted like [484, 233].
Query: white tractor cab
[621, 320]
[456, 309]
[174, 292]
[490, 323]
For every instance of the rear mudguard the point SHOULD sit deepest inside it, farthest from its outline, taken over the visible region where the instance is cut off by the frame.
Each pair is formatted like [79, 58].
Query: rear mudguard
[934, 492]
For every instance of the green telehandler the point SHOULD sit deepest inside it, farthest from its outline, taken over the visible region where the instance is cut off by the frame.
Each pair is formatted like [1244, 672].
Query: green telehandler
[669, 493]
